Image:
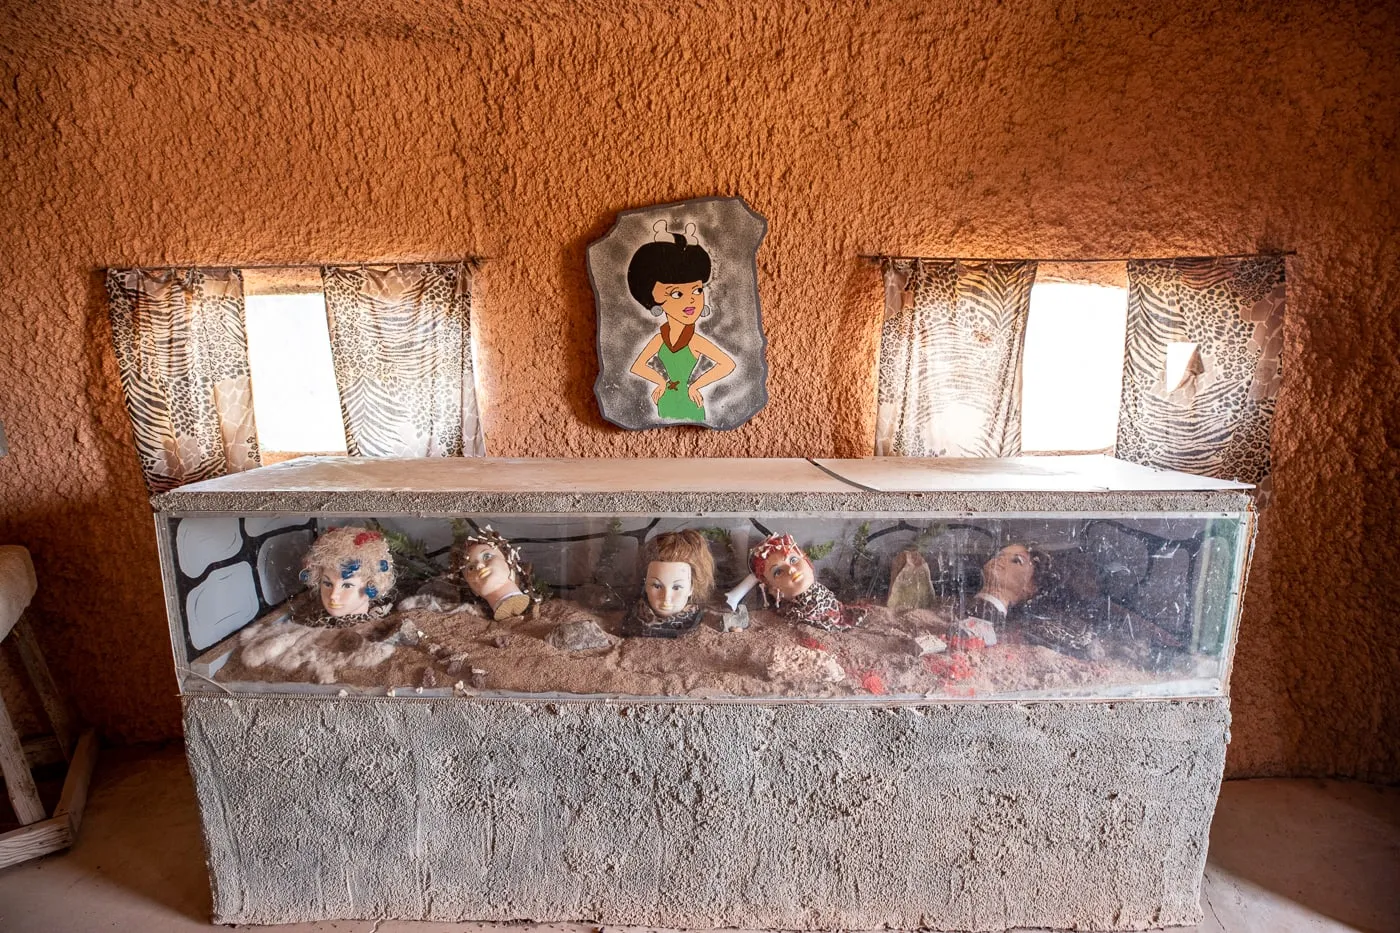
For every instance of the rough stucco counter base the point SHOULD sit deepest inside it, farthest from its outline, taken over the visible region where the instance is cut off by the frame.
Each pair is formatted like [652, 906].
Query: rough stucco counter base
[760, 770]
[960, 816]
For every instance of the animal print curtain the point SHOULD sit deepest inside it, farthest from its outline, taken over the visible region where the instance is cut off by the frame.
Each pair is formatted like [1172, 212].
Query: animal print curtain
[950, 358]
[401, 344]
[1204, 364]
[183, 359]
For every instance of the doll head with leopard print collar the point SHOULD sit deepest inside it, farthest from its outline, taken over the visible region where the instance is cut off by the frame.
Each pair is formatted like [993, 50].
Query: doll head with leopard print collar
[680, 573]
[782, 567]
[788, 576]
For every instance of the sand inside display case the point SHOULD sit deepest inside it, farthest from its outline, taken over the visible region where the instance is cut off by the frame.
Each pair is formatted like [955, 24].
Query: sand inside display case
[1076, 577]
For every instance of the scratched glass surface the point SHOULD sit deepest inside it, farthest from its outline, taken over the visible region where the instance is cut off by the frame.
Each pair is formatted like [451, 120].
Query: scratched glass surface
[779, 607]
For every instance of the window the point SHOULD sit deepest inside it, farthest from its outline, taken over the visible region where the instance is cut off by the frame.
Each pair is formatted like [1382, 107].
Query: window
[295, 400]
[1072, 367]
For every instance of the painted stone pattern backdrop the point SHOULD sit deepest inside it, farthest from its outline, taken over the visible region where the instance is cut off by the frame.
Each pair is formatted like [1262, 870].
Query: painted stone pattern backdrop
[680, 334]
[230, 570]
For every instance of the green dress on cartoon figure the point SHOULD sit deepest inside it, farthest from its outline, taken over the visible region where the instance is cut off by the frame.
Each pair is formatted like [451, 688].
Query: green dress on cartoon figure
[667, 277]
[675, 403]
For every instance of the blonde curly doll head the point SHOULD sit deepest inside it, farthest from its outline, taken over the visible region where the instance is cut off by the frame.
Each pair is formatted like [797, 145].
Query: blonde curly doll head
[351, 568]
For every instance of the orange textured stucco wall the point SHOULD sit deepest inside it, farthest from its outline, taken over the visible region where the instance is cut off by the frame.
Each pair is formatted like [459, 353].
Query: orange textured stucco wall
[175, 132]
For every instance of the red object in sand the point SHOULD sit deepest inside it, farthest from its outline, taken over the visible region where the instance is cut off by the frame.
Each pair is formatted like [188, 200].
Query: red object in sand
[873, 682]
[953, 666]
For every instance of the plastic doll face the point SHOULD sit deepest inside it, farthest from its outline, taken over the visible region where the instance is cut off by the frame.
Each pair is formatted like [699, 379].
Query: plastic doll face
[788, 574]
[1010, 574]
[343, 597]
[682, 303]
[484, 566]
[668, 586]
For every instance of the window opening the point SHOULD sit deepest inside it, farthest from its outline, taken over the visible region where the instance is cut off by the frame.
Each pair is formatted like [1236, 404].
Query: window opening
[295, 400]
[1072, 367]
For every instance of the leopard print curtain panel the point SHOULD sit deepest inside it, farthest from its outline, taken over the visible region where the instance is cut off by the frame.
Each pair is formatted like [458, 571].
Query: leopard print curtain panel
[1204, 364]
[183, 359]
[401, 344]
[950, 358]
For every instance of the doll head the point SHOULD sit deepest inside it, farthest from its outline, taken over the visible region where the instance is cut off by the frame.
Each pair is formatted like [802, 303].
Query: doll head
[350, 568]
[782, 567]
[487, 560]
[1016, 573]
[668, 275]
[679, 571]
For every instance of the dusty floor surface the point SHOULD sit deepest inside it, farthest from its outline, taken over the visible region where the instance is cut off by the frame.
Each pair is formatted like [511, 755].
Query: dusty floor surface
[1286, 856]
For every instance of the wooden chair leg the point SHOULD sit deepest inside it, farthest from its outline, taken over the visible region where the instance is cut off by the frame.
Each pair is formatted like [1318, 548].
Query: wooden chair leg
[19, 782]
[72, 802]
[60, 830]
[55, 706]
[34, 840]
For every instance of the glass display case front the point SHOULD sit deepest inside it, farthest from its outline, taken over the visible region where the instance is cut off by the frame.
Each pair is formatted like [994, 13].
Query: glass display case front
[794, 603]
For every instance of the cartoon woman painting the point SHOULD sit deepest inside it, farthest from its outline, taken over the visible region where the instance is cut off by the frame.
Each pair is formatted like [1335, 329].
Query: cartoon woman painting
[668, 277]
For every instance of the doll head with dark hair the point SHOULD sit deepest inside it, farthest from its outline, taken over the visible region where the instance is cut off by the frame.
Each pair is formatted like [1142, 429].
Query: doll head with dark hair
[1016, 573]
[1012, 576]
[668, 276]
[493, 569]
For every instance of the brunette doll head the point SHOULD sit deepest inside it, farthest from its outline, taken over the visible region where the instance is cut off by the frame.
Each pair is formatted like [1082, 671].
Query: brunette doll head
[1017, 573]
[680, 571]
[485, 553]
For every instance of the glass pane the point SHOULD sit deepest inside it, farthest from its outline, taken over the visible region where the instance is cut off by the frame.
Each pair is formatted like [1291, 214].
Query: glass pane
[914, 605]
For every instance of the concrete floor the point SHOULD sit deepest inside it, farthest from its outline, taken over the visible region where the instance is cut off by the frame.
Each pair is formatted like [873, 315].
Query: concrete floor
[1285, 857]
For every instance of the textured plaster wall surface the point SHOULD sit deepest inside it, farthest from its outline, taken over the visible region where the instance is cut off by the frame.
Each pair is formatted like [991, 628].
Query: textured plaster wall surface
[170, 132]
[941, 817]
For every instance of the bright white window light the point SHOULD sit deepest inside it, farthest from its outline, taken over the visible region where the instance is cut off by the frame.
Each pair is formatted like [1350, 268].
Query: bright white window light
[1072, 375]
[294, 395]
[1183, 362]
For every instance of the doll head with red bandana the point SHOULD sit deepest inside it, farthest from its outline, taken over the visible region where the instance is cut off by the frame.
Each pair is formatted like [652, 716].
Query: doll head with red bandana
[782, 567]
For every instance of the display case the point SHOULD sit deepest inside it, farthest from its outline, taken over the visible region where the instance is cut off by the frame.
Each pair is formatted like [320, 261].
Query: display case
[334, 595]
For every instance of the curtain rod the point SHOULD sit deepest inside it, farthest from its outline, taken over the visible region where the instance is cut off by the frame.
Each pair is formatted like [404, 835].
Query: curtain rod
[272, 266]
[875, 257]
